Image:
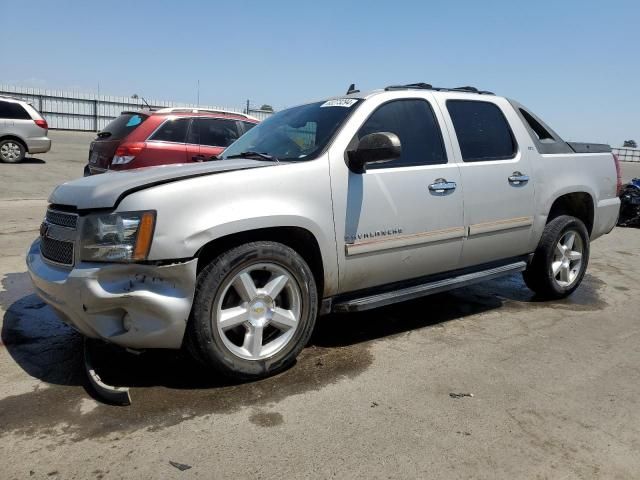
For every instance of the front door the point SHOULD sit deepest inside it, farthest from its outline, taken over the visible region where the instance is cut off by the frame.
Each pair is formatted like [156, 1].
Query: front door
[497, 177]
[404, 219]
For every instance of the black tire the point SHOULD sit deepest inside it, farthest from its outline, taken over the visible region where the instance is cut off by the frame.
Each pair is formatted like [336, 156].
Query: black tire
[8, 149]
[539, 275]
[203, 338]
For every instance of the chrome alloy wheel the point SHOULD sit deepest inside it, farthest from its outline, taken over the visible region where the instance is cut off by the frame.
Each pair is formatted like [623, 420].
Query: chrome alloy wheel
[10, 152]
[567, 259]
[258, 312]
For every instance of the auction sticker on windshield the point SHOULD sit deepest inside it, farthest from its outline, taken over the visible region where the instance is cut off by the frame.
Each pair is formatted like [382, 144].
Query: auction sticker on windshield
[339, 102]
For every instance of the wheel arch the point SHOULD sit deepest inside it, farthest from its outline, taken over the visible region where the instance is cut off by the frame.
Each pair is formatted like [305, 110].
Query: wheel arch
[298, 238]
[579, 204]
[17, 139]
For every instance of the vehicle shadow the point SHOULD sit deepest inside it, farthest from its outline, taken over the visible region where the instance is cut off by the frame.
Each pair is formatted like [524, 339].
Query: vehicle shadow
[27, 161]
[47, 349]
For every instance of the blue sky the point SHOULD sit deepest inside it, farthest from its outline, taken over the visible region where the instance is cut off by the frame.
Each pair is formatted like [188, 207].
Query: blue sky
[574, 63]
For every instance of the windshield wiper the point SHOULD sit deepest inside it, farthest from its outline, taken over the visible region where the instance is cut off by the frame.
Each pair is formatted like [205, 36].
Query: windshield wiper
[251, 154]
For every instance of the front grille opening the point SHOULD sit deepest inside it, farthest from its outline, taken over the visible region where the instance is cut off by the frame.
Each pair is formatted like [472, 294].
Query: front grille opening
[69, 220]
[57, 251]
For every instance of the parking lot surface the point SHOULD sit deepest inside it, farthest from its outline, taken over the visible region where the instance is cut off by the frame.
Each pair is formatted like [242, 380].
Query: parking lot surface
[482, 382]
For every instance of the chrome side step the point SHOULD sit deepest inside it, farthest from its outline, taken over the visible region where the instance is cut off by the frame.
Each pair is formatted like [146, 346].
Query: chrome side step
[416, 291]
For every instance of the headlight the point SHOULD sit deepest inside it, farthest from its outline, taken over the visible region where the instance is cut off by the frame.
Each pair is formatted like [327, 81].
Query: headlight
[117, 237]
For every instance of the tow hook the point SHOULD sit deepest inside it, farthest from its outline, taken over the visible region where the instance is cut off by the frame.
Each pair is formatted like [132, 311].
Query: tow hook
[107, 393]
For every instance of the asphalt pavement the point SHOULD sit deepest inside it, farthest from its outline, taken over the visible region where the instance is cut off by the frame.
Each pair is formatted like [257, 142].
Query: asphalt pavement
[483, 382]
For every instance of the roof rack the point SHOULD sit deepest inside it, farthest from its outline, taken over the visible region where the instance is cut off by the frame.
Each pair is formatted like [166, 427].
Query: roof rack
[428, 86]
[201, 110]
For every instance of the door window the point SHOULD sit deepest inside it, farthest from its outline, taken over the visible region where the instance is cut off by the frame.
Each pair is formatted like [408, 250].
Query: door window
[482, 130]
[414, 122]
[213, 132]
[173, 130]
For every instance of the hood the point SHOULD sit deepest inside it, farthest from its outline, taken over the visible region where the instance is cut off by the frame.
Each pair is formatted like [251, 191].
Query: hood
[107, 189]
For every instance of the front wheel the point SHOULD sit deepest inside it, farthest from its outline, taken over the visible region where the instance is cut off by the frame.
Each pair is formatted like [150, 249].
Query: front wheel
[254, 310]
[560, 261]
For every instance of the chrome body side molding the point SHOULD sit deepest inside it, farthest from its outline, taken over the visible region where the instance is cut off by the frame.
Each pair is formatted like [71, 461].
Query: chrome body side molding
[498, 225]
[401, 241]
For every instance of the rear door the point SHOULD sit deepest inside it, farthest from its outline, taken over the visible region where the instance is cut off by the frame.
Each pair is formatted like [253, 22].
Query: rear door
[497, 178]
[212, 136]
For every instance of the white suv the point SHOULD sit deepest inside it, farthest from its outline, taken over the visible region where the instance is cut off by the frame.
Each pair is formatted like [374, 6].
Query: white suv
[338, 205]
[22, 130]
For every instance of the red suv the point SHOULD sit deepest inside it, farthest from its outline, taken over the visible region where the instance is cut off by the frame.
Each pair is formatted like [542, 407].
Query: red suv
[169, 135]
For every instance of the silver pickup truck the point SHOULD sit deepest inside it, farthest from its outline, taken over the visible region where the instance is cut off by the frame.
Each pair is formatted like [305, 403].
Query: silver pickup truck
[339, 205]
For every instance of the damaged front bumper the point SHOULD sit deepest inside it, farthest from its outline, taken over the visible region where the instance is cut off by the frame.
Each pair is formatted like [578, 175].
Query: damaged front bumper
[132, 305]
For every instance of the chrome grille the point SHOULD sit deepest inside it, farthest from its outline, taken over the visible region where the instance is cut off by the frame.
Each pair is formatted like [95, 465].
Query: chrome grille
[57, 251]
[64, 219]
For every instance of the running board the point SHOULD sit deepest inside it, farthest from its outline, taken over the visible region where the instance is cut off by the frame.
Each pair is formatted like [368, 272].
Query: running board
[417, 291]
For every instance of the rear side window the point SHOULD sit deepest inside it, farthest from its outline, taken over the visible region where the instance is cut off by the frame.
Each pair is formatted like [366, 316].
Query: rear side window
[214, 132]
[482, 130]
[173, 130]
[414, 122]
[541, 132]
[122, 126]
[248, 126]
[13, 111]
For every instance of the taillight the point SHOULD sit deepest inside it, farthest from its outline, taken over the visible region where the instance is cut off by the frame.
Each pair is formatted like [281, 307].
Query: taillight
[42, 124]
[616, 160]
[127, 152]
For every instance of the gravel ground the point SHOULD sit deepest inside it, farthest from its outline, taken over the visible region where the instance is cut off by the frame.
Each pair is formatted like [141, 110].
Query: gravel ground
[555, 384]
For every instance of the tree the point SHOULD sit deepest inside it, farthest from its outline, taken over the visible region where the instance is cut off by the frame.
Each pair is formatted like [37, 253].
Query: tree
[267, 108]
[630, 144]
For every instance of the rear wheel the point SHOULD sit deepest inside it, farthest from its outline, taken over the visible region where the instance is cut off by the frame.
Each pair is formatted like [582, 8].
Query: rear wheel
[12, 151]
[560, 261]
[254, 310]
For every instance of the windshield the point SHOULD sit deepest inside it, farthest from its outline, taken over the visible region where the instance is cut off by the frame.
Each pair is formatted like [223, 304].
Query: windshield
[296, 134]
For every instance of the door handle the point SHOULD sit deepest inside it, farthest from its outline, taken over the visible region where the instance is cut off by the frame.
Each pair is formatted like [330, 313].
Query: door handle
[518, 178]
[441, 185]
[198, 158]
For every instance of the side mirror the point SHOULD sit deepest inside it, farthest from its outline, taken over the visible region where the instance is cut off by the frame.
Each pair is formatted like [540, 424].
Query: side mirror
[377, 147]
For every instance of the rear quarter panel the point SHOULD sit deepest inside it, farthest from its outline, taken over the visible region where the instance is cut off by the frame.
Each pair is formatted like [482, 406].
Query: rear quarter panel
[560, 174]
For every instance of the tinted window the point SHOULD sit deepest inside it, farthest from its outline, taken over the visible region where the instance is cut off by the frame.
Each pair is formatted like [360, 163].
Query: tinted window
[215, 132]
[14, 111]
[415, 124]
[122, 126]
[174, 130]
[248, 126]
[541, 132]
[483, 132]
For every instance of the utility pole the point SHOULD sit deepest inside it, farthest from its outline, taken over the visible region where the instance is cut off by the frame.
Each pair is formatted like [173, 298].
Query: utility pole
[247, 111]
